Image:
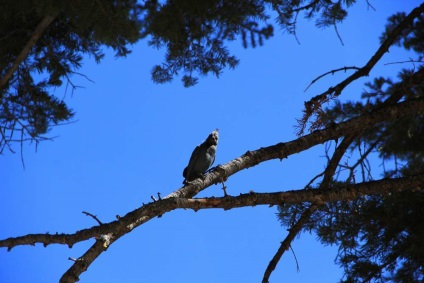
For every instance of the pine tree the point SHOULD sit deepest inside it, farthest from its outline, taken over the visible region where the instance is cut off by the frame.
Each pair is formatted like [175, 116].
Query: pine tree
[43, 44]
[376, 224]
[379, 237]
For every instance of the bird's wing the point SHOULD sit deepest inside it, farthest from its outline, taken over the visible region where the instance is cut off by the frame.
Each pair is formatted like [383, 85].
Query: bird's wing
[185, 172]
[193, 158]
[213, 160]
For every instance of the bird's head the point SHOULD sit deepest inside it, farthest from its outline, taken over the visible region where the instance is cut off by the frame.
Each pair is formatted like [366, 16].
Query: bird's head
[213, 138]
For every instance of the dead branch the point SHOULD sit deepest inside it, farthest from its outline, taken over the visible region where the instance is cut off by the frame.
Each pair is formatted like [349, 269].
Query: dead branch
[403, 62]
[133, 219]
[251, 158]
[370, 6]
[295, 258]
[323, 195]
[93, 216]
[331, 72]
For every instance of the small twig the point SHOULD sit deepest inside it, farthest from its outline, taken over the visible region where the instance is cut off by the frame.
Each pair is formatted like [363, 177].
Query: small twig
[5, 141]
[338, 34]
[82, 75]
[294, 28]
[370, 6]
[403, 62]
[224, 188]
[331, 72]
[93, 216]
[295, 258]
[308, 186]
[159, 198]
[22, 150]
[153, 198]
[306, 7]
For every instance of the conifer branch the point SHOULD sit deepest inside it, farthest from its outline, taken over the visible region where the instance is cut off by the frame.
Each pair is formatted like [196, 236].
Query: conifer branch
[328, 177]
[36, 35]
[304, 218]
[313, 105]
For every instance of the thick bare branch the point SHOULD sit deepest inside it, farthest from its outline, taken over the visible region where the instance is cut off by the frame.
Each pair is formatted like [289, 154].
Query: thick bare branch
[143, 214]
[283, 150]
[346, 193]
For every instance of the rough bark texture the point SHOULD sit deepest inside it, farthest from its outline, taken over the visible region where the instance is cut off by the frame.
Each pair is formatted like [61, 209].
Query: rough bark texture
[143, 214]
[153, 209]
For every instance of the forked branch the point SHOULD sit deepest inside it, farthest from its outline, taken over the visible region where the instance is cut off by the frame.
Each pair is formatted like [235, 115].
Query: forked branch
[304, 218]
[125, 224]
[313, 105]
[318, 196]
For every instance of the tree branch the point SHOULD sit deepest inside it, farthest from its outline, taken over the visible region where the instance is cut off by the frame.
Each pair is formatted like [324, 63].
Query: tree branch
[93, 216]
[38, 32]
[315, 103]
[346, 193]
[143, 214]
[328, 177]
[283, 150]
[285, 245]
[297, 227]
[331, 72]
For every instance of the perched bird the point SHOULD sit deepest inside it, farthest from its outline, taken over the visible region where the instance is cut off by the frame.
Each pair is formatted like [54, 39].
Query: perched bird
[202, 158]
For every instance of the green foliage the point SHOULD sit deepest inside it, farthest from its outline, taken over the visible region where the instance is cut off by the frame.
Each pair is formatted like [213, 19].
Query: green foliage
[379, 237]
[195, 33]
[27, 109]
[402, 139]
[412, 37]
[325, 13]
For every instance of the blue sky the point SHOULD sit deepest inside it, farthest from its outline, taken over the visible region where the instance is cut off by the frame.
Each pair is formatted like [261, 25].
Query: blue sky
[133, 138]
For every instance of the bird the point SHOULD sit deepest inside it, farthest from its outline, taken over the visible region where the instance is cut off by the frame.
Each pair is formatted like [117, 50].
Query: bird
[202, 158]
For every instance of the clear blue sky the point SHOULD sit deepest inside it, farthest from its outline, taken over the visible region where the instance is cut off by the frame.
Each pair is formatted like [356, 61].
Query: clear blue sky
[133, 138]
